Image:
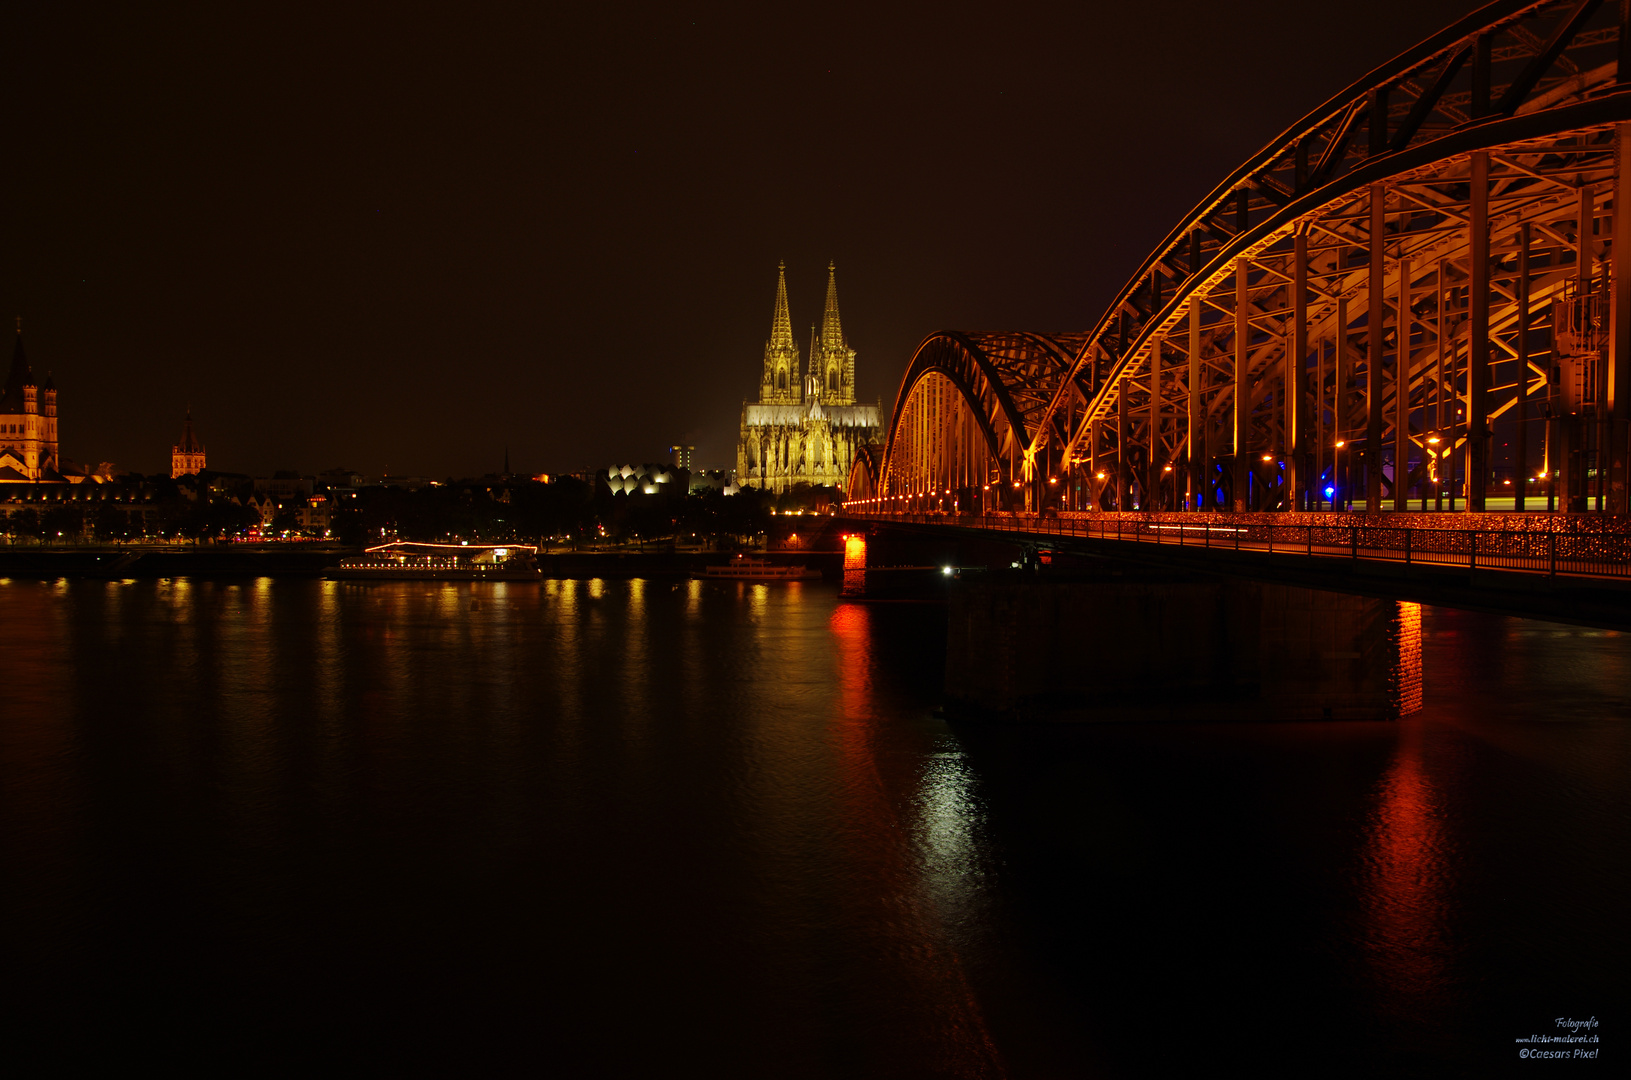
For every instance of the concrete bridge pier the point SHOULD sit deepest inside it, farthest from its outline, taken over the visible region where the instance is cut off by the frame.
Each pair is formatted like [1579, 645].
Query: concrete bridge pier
[1143, 647]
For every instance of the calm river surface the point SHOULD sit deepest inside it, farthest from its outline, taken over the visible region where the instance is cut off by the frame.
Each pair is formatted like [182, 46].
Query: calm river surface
[645, 829]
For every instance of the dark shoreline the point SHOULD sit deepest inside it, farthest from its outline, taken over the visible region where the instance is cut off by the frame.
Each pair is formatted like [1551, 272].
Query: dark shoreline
[230, 561]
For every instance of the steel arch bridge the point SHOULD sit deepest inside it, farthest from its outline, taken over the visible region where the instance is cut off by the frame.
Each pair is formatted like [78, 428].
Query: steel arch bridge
[1346, 316]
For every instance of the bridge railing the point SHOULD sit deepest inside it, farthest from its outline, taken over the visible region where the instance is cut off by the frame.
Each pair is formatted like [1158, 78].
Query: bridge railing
[1594, 554]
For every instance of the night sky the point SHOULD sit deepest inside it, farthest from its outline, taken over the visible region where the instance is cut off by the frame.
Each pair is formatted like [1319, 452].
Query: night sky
[399, 238]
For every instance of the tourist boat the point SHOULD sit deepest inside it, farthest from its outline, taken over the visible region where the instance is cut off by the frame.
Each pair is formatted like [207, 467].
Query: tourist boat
[404, 560]
[749, 568]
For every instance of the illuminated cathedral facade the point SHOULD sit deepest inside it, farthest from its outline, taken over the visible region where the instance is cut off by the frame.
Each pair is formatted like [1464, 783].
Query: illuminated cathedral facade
[806, 427]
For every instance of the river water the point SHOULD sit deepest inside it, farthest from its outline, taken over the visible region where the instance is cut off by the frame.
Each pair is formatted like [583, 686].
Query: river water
[638, 828]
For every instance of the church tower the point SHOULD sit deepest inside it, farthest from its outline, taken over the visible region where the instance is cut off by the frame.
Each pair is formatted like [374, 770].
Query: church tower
[187, 456]
[781, 384]
[832, 361]
[28, 422]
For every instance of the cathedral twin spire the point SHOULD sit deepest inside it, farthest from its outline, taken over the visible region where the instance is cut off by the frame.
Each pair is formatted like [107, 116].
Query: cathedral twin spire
[781, 325]
[831, 376]
[832, 332]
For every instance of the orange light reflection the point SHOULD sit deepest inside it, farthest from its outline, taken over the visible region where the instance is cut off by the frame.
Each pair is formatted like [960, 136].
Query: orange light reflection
[1407, 882]
[881, 845]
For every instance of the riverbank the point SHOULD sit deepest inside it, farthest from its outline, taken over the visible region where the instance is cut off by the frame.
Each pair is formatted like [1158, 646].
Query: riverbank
[239, 560]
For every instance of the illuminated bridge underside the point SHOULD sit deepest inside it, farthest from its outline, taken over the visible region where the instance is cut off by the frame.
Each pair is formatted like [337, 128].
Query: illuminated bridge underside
[1429, 251]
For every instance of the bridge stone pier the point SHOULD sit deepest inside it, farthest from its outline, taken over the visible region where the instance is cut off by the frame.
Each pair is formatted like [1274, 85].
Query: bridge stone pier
[1132, 645]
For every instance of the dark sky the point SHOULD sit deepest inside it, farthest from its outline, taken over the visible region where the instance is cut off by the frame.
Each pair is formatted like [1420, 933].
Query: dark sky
[398, 237]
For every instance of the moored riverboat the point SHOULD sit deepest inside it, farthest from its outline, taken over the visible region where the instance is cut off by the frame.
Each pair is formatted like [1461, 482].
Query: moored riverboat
[403, 560]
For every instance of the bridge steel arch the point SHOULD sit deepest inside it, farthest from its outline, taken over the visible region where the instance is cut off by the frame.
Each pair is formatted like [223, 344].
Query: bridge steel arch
[862, 481]
[1429, 250]
[967, 410]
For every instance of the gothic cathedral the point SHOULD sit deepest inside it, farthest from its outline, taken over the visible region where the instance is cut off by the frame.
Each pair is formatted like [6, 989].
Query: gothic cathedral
[806, 427]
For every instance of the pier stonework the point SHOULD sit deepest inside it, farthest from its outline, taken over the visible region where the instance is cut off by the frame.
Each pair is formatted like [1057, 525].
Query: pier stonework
[1148, 648]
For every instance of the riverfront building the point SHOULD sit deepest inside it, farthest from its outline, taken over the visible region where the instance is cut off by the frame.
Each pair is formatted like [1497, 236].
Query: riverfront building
[806, 427]
[29, 453]
[187, 456]
[28, 424]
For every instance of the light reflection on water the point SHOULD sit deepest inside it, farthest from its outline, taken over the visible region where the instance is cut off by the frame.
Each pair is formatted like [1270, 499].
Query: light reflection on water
[948, 837]
[922, 849]
[642, 822]
[1407, 883]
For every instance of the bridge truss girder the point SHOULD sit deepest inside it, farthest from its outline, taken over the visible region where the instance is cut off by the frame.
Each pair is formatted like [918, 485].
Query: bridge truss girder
[1287, 332]
[1483, 190]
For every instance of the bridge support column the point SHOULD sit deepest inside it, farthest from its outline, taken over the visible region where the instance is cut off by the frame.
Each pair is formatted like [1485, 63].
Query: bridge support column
[1401, 393]
[1195, 422]
[1619, 351]
[1576, 425]
[1444, 446]
[1153, 459]
[1375, 328]
[1520, 398]
[1133, 647]
[1320, 433]
[1243, 401]
[1340, 368]
[1478, 336]
[1124, 445]
[1295, 375]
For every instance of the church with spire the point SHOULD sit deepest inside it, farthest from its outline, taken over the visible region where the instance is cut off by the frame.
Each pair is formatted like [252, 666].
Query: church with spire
[806, 427]
[28, 424]
[187, 456]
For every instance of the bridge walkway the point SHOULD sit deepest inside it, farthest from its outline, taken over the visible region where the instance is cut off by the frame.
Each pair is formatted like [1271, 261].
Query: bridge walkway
[1594, 554]
[1558, 569]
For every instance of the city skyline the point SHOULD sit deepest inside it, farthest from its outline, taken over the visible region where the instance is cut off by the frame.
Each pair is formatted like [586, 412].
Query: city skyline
[404, 244]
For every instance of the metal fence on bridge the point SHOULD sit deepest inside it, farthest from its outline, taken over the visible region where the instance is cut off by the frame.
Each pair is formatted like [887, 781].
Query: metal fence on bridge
[1587, 554]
